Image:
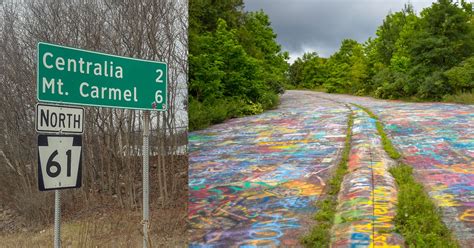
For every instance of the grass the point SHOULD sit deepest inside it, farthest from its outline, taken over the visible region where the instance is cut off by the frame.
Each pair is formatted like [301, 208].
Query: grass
[386, 142]
[417, 217]
[115, 228]
[465, 98]
[320, 235]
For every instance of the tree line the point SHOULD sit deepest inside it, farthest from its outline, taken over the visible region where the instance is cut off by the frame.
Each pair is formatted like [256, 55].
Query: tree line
[429, 56]
[236, 67]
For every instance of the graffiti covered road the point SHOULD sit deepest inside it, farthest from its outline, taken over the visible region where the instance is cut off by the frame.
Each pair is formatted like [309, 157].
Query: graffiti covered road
[253, 180]
[437, 140]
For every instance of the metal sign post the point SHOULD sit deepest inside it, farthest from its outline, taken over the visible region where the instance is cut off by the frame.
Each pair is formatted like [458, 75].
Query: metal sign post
[145, 153]
[57, 219]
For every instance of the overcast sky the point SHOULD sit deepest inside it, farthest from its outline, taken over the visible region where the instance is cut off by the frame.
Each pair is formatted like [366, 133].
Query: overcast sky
[321, 25]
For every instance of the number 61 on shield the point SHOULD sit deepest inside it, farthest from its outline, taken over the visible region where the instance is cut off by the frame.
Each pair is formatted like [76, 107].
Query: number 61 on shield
[59, 161]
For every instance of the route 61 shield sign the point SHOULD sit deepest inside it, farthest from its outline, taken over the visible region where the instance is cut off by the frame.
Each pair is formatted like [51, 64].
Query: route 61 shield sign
[59, 161]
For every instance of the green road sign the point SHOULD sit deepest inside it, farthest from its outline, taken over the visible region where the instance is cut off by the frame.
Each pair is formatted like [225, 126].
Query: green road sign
[75, 76]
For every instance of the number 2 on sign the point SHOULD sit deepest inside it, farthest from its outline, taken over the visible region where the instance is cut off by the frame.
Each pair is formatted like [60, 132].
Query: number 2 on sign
[51, 163]
[160, 75]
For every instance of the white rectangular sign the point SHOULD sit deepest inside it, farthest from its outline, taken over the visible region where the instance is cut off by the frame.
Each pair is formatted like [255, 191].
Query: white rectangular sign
[54, 118]
[59, 161]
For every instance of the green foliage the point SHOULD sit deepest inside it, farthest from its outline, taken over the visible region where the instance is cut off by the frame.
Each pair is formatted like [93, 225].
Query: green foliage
[348, 68]
[466, 98]
[308, 71]
[203, 14]
[434, 86]
[207, 114]
[443, 37]
[417, 218]
[258, 39]
[344, 72]
[461, 77]
[390, 43]
[219, 110]
[236, 67]
[426, 57]
[386, 142]
[320, 235]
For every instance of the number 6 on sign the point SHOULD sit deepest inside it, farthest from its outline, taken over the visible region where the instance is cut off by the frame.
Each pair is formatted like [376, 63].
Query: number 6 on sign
[159, 96]
[59, 161]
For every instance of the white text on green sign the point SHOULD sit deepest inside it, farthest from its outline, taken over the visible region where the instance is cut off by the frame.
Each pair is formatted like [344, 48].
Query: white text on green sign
[74, 76]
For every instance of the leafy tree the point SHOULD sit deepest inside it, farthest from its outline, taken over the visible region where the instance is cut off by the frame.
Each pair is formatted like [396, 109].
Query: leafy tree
[461, 77]
[443, 37]
[315, 72]
[309, 71]
[259, 41]
[203, 14]
[205, 74]
[389, 33]
[296, 73]
[347, 68]
[235, 65]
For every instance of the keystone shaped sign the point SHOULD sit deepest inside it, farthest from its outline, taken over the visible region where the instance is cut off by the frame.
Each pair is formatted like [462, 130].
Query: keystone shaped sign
[59, 161]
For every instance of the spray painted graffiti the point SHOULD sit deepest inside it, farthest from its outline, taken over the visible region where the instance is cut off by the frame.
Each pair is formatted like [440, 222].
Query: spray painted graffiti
[253, 181]
[368, 195]
[437, 139]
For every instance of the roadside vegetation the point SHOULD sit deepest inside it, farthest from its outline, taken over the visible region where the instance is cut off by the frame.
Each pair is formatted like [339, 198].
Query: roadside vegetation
[417, 219]
[320, 235]
[386, 142]
[465, 98]
[427, 56]
[107, 228]
[236, 67]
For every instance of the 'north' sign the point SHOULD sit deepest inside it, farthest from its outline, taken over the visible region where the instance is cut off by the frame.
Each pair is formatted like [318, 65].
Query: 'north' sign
[54, 118]
[75, 76]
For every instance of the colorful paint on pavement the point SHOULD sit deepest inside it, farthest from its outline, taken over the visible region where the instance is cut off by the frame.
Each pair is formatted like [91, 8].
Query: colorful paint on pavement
[253, 181]
[368, 196]
[437, 140]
